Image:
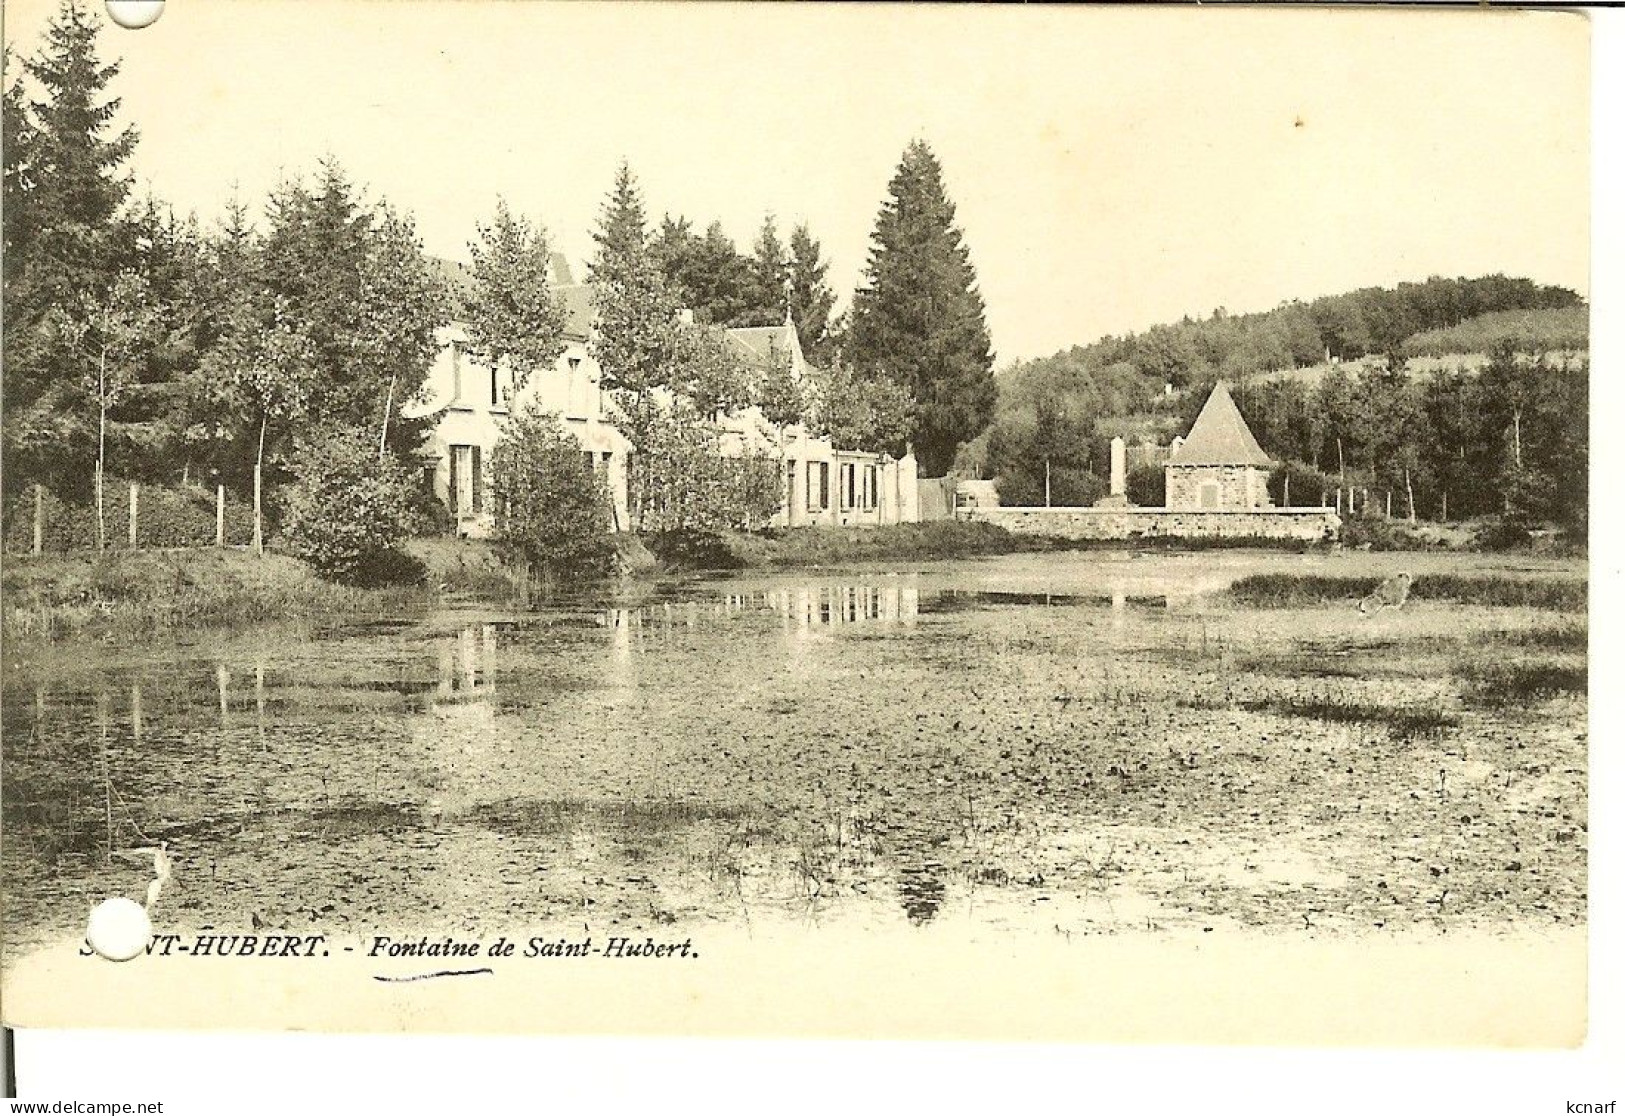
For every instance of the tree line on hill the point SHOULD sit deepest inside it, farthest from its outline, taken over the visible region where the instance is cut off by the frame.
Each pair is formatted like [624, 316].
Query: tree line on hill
[1509, 440]
[1372, 320]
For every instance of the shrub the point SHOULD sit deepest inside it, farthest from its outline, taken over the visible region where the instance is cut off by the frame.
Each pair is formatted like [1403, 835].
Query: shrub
[1555, 594]
[693, 550]
[552, 509]
[346, 510]
[1373, 532]
[1147, 486]
[1308, 488]
[1284, 590]
[1070, 486]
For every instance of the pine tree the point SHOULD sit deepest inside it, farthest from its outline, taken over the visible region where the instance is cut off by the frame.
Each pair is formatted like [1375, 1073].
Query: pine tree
[705, 274]
[169, 253]
[810, 298]
[65, 243]
[919, 317]
[76, 189]
[514, 319]
[769, 278]
[633, 343]
[356, 286]
[17, 130]
[313, 259]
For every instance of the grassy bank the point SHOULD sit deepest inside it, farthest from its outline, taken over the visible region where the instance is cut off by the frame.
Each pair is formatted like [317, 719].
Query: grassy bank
[131, 595]
[835, 546]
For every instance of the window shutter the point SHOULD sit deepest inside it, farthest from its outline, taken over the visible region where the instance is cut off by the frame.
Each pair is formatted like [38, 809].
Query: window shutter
[478, 479]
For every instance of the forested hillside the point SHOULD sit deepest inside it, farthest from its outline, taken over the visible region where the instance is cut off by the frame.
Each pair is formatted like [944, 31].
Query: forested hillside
[1470, 400]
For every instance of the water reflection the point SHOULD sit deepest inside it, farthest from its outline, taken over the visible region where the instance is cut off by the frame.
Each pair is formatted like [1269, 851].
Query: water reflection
[657, 762]
[922, 891]
[799, 606]
[467, 666]
[1117, 598]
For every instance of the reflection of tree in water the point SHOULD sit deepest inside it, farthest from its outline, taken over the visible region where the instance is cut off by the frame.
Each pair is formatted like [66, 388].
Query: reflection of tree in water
[917, 843]
[922, 890]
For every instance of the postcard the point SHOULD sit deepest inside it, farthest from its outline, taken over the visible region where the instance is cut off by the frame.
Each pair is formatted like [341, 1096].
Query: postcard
[826, 521]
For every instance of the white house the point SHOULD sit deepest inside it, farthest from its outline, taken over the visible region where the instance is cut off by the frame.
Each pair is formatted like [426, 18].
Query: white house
[471, 401]
[822, 484]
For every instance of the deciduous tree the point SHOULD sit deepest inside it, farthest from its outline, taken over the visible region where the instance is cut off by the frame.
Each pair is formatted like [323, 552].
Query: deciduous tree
[515, 320]
[552, 509]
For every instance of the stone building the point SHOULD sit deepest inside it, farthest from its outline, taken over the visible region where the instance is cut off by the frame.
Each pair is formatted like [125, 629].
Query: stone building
[1219, 466]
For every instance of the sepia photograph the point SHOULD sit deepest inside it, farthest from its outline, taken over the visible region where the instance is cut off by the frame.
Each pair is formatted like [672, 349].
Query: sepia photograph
[797, 520]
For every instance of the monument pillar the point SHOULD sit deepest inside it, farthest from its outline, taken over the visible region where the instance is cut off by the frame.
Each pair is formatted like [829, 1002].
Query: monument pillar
[1119, 468]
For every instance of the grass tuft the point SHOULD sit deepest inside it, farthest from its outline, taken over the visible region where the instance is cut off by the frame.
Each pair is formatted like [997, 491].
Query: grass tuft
[1508, 682]
[1282, 590]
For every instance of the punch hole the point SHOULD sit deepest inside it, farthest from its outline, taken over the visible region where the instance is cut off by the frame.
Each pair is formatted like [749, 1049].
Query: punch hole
[135, 14]
[119, 929]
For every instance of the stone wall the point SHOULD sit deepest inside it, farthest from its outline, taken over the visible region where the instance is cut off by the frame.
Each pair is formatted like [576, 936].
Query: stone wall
[1241, 487]
[1307, 524]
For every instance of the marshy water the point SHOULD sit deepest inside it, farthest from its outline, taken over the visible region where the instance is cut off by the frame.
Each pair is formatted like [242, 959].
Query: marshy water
[1056, 744]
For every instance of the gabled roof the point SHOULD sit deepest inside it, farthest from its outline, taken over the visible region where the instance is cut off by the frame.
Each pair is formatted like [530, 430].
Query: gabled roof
[459, 280]
[764, 342]
[560, 268]
[1220, 436]
[578, 311]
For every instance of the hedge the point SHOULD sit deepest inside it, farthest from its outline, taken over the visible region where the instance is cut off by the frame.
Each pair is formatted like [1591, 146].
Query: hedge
[166, 517]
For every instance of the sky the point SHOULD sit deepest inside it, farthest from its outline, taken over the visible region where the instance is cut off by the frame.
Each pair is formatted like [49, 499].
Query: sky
[1112, 167]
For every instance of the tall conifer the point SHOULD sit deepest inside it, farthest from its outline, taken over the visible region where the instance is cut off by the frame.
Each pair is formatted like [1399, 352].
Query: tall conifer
[810, 298]
[633, 341]
[65, 238]
[919, 318]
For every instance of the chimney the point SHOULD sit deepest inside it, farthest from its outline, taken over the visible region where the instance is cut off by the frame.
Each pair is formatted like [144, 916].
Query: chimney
[686, 316]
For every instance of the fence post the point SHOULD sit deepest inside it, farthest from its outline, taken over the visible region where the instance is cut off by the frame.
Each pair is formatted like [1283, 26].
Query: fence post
[135, 493]
[39, 519]
[220, 515]
[259, 538]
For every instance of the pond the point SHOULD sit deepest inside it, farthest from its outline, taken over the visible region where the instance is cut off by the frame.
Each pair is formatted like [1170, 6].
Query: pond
[1072, 743]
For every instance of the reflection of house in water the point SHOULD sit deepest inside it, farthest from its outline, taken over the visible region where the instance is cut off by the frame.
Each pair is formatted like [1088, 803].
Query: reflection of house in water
[467, 666]
[827, 605]
[458, 733]
[822, 605]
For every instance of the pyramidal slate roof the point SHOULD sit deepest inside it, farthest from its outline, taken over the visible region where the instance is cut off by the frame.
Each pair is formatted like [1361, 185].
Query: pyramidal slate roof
[1220, 435]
